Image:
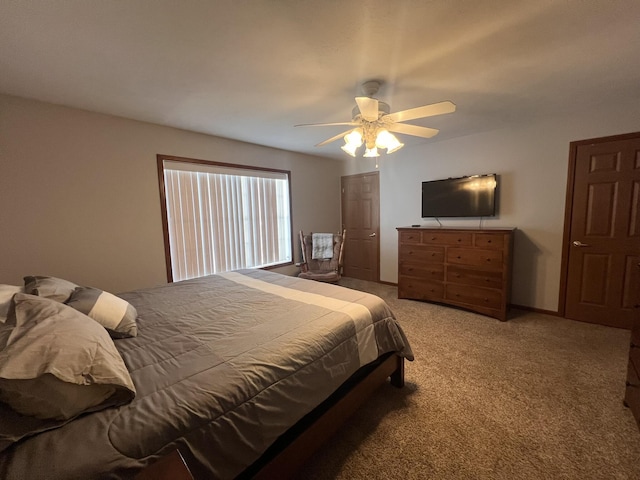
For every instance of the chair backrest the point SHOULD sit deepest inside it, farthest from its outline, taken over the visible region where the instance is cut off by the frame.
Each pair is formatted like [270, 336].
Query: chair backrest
[322, 265]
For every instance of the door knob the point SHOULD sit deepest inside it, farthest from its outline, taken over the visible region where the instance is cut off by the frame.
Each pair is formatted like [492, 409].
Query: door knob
[373, 234]
[578, 243]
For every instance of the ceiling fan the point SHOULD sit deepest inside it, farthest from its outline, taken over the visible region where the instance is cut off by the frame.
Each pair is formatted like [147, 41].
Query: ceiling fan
[373, 123]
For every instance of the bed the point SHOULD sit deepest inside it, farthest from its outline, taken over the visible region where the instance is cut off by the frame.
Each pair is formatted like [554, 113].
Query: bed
[230, 371]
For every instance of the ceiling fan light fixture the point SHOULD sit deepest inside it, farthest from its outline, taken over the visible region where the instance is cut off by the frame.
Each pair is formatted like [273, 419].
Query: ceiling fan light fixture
[373, 119]
[350, 148]
[371, 152]
[354, 138]
[352, 141]
[395, 148]
[387, 140]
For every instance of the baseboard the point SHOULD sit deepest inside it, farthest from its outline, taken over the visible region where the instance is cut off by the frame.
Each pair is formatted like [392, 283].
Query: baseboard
[536, 310]
[511, 305]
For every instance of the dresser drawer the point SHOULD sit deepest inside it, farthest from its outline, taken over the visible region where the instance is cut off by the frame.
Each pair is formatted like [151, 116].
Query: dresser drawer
[420, 289]
[489, 240]
[428, 272]
[474, 276]
[474, 295]
[491, 259]
[410, 237]
[421, 253]
[447, 238]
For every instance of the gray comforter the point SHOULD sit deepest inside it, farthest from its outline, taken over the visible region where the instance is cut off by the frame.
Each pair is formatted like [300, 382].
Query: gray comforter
[222, 365]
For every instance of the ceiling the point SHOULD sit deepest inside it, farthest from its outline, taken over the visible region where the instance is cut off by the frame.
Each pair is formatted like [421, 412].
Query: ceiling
[252, 69]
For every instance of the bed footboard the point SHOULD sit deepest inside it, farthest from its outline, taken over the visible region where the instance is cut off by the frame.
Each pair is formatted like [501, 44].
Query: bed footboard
[324, 422]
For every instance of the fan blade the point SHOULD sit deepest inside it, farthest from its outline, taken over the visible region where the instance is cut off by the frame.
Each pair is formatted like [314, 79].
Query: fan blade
[325, 124]
[368, 108]
[333, 139]
[421, 112]
[413, 130]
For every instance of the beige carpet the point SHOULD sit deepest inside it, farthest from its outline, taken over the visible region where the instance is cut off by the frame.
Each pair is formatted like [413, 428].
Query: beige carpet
[536, 397]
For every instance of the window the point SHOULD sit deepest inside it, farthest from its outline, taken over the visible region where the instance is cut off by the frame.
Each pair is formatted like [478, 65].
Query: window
[219, 217]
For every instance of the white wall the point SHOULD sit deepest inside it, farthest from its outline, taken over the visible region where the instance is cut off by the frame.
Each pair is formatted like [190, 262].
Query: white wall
[532, 162]
[79, 195]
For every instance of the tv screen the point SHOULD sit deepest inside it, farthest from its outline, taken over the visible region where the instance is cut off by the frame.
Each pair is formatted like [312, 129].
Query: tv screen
[472, 196]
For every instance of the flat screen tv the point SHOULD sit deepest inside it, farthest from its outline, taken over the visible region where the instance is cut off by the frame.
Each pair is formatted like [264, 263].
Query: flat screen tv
[472, 196]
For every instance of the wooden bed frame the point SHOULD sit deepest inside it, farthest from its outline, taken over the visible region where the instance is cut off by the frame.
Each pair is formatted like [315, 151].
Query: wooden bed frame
[295, 447]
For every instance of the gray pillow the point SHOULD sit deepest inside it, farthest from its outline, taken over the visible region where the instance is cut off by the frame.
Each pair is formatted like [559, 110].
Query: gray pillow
[49, 287]
[57, 364]
[47, 396]
[115, 314]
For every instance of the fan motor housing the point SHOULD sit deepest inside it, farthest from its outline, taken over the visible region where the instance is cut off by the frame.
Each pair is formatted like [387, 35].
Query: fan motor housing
[383, 109]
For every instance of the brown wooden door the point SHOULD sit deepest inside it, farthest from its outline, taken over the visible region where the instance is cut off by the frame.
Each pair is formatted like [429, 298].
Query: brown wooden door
[361, 219]
[602, 249]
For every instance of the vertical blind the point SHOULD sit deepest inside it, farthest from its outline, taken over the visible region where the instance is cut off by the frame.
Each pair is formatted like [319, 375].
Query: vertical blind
[222, 218]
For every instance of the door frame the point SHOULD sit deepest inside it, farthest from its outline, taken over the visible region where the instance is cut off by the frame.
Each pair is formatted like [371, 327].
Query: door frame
[568, 209]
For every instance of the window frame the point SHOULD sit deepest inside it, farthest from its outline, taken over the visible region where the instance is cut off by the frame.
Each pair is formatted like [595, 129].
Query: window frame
[160, 158]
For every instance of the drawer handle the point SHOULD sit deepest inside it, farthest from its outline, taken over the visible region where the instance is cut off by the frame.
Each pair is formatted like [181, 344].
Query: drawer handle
[489, 260]
[488, 241]
[433, 254]
[433, 238]
[458, 257]
[459, 239]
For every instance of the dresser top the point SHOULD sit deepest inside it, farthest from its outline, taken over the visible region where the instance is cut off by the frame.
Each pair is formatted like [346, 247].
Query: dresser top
[475, 229]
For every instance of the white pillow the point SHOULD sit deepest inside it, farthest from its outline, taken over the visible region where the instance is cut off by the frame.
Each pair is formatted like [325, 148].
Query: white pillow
[6, 294]
[115, 314]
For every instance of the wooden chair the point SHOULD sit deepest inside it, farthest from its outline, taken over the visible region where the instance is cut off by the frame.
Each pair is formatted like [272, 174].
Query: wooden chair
[321, 269]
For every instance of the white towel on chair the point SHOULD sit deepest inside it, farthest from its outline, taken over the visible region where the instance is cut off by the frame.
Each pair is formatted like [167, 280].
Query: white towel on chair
[321, 246]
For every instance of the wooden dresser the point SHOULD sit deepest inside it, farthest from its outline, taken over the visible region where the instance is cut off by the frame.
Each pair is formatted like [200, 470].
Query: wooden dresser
[468, 268]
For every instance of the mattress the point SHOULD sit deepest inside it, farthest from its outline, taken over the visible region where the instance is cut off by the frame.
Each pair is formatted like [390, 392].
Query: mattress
[223, 365]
